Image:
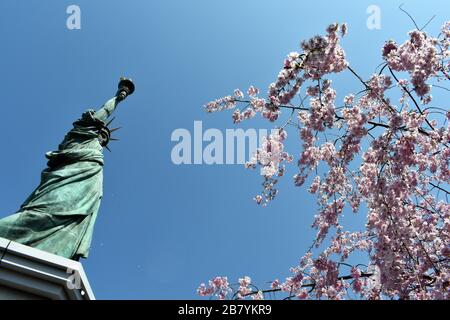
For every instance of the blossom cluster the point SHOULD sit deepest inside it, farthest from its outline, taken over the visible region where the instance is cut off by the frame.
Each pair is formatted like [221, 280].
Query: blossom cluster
[421, 56]
[270, 157]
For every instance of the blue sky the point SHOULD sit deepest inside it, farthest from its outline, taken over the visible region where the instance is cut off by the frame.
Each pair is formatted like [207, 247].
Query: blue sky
[163, 228]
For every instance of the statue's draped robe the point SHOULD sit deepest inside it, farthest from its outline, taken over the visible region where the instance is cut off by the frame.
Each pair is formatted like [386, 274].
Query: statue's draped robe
[59, 215]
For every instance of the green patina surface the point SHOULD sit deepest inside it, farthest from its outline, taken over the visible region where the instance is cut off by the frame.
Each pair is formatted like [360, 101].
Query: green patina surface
[60, 213]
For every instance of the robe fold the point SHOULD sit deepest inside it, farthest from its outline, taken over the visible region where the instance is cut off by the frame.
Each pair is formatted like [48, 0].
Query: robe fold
[59, 215]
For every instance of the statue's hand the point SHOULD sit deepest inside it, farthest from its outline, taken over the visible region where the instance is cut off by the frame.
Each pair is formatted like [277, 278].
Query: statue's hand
[121, 95]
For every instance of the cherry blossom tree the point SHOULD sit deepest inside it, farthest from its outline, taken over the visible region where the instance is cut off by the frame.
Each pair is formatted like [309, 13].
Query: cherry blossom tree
[371, 152]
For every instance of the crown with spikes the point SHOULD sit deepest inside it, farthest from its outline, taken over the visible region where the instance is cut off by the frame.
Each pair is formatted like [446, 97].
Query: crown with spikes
[104, 134]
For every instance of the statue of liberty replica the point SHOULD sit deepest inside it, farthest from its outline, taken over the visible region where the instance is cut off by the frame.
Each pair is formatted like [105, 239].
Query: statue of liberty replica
[59, 215]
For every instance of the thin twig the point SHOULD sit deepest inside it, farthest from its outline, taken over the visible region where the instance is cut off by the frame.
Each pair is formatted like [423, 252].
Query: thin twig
[412, 19]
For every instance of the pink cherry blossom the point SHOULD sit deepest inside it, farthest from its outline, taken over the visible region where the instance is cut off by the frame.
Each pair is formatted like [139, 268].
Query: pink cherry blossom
[386, 162]
[252, 91]
[348, 100]
[419, 56]
[238, 94]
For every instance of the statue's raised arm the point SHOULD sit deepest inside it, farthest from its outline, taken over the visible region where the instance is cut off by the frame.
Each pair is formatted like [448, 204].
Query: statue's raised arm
[125, 88]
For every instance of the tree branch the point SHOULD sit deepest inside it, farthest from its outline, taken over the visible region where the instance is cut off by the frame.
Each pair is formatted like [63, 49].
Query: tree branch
[309, 285]
[411, 96]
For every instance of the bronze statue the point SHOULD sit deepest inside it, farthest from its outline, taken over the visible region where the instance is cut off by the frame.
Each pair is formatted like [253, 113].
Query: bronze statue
[60, 214]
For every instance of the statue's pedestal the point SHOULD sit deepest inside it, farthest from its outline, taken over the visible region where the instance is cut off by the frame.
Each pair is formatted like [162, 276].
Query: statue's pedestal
[27, 273]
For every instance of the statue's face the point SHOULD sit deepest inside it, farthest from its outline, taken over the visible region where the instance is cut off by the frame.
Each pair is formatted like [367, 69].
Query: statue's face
[103, 138]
